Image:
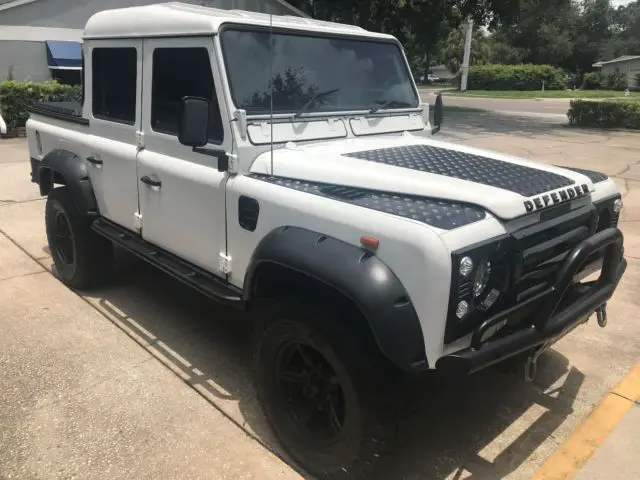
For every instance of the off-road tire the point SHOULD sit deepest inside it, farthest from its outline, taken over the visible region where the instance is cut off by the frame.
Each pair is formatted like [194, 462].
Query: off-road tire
[84, 259]
[369, 384]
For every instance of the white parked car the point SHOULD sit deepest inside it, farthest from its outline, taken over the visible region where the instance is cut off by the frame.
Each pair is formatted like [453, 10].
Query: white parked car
[287, 166]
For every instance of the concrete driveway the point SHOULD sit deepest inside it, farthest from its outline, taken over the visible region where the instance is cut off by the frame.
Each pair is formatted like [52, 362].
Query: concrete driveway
[145, 379]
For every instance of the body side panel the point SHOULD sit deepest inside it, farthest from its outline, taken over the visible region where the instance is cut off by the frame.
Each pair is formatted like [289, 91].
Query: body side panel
[413, 251]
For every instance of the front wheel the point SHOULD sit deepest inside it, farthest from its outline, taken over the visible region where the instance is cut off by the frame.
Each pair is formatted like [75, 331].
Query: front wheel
[82, 257]
[317, 386]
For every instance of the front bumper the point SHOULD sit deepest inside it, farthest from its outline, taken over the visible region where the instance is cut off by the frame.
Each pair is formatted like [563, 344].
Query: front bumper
[561, 307]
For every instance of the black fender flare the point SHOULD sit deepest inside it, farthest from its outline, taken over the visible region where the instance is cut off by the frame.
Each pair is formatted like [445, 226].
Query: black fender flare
[359, 275]
[73, 171]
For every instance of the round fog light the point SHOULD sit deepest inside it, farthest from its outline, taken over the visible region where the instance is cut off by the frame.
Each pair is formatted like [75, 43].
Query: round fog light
[466, 266]
[617, 206]
[462, 309]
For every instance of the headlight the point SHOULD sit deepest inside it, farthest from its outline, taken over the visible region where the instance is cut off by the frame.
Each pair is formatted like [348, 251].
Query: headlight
[481, 278]
[480, 275]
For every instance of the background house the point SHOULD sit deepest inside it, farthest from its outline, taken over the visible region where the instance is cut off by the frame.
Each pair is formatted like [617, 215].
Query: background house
[40, 39]
[626, 64]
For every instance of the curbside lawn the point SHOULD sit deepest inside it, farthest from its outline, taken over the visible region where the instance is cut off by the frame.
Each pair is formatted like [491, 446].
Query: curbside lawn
[518, 94]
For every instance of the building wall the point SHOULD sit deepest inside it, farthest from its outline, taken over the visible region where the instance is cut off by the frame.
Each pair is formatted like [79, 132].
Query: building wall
[630, 68]
[75, 13]
[23, 29]
[28, 60]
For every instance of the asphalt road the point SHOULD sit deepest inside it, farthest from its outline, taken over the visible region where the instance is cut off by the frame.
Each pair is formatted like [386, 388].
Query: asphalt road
[552, 108]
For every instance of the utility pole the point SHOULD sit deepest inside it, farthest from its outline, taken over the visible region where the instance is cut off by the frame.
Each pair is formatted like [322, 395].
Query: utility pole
[467, 54]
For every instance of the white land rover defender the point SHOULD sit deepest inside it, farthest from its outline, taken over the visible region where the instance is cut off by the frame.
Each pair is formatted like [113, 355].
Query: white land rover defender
[286, 166]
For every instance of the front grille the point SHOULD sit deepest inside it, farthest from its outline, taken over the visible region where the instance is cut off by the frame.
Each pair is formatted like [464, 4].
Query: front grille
[614, 219]
[541, 249]
[526, 262]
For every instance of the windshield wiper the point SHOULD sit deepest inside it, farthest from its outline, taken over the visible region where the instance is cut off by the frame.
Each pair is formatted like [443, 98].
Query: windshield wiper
[312, 100]
[386, 103]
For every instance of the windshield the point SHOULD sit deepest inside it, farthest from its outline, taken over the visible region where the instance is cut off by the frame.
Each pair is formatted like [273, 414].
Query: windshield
[314, 74]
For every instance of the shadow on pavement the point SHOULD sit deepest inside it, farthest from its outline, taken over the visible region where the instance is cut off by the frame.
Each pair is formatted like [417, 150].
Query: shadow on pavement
[462, 123]
[457, 426]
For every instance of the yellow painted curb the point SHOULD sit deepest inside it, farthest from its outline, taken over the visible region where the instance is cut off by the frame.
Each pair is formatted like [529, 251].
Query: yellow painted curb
[567, 461]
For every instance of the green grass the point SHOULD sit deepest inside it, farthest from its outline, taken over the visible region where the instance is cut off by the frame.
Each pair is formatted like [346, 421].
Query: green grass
[540, 94]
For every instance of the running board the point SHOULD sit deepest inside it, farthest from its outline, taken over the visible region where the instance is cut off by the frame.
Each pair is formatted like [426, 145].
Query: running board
[197, 278]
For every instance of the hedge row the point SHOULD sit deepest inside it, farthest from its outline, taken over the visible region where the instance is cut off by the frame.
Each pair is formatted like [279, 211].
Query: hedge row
[16, 98]
[515, 77]
[605, 113]
[613, 81]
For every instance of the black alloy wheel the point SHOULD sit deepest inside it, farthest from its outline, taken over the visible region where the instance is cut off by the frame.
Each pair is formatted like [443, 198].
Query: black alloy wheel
[311, 392]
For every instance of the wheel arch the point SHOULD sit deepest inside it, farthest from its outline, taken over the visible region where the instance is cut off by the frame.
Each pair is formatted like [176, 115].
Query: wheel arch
[354, 273]
[66, 168]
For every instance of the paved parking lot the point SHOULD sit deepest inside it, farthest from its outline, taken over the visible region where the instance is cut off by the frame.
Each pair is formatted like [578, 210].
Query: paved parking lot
[146, 379]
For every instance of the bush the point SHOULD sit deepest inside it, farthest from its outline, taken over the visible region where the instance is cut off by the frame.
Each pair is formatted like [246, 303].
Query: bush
[616, 81]
[637, 83]
[592, 81]
[515, 77]
[605, 113]
[16, 98]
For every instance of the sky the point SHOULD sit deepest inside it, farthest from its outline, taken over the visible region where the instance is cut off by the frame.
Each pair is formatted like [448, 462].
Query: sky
[620, 2]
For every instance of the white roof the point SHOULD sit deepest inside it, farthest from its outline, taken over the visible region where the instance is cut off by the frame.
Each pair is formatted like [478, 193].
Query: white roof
[180, 19]
[623, 58]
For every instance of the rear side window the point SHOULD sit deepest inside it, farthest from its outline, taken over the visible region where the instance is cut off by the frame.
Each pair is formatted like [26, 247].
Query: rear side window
[114, 84]
[178, 73]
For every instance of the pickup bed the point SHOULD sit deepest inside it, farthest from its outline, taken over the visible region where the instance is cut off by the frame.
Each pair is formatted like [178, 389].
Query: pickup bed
[70, 111]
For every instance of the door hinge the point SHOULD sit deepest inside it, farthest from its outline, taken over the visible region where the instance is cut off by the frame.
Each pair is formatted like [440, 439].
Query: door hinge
[137, 220]
[224, 263]
[139, 140]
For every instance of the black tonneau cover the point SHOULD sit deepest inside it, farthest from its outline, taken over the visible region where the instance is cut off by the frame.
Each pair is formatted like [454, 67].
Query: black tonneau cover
[70, 111]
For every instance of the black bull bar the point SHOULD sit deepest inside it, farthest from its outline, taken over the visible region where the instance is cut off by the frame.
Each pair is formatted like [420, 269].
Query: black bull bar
[558, 309]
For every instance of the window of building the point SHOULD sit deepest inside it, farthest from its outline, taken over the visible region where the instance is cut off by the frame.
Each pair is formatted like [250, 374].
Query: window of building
[114, 84]
[67, 77]
[178, 73]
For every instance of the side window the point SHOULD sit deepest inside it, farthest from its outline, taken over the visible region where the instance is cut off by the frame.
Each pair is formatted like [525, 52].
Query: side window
[114, 84]
[177, 73]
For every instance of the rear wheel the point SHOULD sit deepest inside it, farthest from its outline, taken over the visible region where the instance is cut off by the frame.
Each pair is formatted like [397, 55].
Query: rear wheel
[82, 257]
[321, 388]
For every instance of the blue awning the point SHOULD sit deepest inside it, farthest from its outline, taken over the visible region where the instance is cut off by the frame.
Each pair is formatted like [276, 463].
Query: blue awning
[64, 55]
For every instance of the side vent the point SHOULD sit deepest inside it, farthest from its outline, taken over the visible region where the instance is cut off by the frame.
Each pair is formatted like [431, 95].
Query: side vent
[345, 193]
[248, 213]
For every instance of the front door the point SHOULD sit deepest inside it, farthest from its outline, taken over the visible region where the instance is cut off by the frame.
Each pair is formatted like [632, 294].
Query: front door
[182, 194]
[114, 71]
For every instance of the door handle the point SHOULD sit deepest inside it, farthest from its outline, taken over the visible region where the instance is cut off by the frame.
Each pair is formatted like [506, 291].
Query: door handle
[151, 182]
[93, 160]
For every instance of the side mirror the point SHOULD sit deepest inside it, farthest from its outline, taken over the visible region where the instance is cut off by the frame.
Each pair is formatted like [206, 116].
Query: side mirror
[438, 114]
[194, 122]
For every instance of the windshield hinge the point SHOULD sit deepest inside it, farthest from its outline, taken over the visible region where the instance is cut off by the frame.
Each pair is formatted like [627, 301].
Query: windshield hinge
[241, 116]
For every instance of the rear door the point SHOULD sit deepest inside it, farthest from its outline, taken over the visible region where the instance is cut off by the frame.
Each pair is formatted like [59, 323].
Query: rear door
[182, 194]
[114, 71]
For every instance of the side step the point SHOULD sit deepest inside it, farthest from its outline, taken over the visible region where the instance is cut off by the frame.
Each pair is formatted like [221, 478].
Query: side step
[197, 278]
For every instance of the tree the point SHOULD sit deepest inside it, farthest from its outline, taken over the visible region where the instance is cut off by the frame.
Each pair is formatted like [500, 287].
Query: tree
[593, 33]
[625, 32]
[544, 32]
[453, 50]
[419, 24]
